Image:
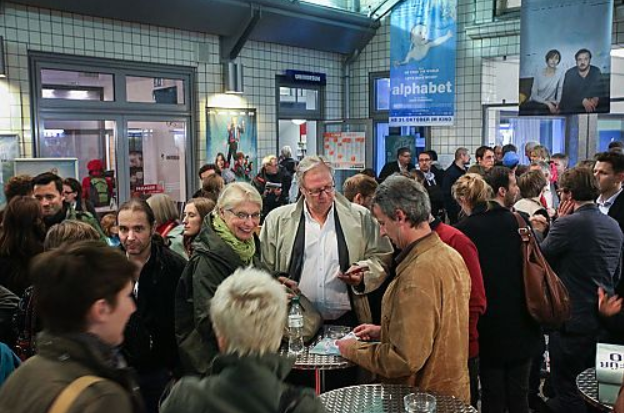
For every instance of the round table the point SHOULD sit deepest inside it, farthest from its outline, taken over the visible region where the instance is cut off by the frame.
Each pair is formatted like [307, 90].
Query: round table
[317, 362]
[383, 398]
[588, 387]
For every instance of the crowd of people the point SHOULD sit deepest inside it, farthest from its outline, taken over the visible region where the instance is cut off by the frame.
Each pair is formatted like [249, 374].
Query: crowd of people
[144, 310]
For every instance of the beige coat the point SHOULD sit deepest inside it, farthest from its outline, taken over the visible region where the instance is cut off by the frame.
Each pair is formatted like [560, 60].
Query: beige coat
[424, 323]
[366, 247]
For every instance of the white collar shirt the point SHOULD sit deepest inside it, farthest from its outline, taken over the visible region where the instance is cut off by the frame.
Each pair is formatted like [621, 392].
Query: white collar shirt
[321, 265]
[605, 205]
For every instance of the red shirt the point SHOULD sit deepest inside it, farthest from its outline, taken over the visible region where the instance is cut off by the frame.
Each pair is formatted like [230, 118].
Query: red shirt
[466, 248]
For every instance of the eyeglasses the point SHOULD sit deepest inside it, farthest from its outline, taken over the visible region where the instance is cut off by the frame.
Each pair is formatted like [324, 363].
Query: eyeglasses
[243, 216]
[563, 191]
[317, 192]
[68, 192]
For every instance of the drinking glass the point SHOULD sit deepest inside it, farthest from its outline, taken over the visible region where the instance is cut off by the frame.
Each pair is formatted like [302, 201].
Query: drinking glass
[420, 403]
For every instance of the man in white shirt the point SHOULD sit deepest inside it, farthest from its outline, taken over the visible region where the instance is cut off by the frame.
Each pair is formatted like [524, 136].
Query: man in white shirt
[329, 245]
[609, 171]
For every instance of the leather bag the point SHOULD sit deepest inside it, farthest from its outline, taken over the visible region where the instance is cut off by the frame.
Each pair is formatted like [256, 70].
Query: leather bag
[312, 320]
[548, 301]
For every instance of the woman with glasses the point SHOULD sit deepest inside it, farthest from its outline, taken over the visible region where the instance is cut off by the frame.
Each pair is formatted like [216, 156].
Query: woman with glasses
[72, 192]
[227, 241]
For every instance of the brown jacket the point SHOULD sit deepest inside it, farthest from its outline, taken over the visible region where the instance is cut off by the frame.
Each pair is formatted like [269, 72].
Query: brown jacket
[35, 384]
[424, 323]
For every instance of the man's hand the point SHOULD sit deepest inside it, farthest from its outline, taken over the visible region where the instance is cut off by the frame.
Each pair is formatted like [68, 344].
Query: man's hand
[368, 332]
[290, 284]
[539, 223]
[551, 107]
[608, 306]
[589, 105]
[353, 276]
[344, 345]
[565, 208]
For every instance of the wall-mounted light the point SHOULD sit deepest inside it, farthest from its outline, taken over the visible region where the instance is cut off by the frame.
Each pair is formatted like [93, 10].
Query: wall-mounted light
[298, 122]
[3, 68]
[233, 77]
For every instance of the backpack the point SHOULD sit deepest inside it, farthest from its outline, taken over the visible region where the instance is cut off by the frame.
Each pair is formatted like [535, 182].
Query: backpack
[98, 192]
[25, 324]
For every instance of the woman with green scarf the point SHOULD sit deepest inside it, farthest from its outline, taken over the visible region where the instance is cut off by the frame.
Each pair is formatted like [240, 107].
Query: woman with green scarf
[227, 241]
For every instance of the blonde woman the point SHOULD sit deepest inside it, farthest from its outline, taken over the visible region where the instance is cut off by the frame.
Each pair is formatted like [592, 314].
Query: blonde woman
[226, 242]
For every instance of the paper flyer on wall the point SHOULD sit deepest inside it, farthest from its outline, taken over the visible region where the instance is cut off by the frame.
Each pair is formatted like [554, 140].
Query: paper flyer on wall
[422, 63]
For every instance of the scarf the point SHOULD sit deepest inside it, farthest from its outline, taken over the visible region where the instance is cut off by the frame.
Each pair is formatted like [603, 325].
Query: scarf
[244, 249]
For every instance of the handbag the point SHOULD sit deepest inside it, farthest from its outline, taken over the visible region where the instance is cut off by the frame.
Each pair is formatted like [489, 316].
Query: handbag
[312, 320]
[548, 301]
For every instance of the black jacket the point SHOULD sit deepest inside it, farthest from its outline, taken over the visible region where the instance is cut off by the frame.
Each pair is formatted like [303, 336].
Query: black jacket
[585, 249]
[211, 263]
[270, 200]
[451, 175]
[506, 330]
[617, 210]
[391, 168]
[150, 343]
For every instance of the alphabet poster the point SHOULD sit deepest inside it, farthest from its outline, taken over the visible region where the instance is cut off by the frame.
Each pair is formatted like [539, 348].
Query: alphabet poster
[422, 67]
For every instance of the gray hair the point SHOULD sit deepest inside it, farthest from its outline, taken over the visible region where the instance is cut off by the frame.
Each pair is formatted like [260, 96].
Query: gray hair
[308, 163]
[400, 192]
[236, 193]
[249, 312]
[286, 151]
[459, 152]
[164, 207]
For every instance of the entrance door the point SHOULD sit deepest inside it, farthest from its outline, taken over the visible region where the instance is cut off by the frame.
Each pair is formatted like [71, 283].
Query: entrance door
[348, 145]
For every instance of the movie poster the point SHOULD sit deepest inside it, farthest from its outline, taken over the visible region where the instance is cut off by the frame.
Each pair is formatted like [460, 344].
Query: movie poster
[422, 63]
[232, 132]
[565, 61]
[9, 150]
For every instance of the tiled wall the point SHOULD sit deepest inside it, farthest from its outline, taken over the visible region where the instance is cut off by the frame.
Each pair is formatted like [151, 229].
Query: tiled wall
[28, 28]
[479, 38]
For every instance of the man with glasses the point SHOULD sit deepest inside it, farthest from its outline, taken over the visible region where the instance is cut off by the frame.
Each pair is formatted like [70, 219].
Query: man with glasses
[330, 246]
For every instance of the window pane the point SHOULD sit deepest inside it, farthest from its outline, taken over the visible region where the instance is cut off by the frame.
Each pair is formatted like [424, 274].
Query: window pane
[157, 159]
[85, 140]
[299, 99]
[64, 84]
[154, 90]
[382, 94]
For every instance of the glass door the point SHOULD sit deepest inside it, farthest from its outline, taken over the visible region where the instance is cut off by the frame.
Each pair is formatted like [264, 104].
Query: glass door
[88, 140]
[157, 158]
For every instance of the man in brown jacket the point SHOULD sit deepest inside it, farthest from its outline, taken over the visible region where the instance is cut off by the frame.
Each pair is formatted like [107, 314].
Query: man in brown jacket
[423, 337]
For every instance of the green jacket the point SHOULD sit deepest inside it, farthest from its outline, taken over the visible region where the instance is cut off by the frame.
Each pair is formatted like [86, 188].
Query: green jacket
[62, 359]
[211, 263]
[243, 385]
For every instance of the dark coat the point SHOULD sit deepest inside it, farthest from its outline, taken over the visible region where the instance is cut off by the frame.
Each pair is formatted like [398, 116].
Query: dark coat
[211, 263]
[585, 250]
[242, 385]
[617, 210]
[61, 360]
[392, 168]
[150, 343]
[506, 330]
[270, 200]
[451, 175]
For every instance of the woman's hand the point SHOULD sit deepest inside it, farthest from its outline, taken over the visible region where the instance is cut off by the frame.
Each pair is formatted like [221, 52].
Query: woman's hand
[368, 332]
